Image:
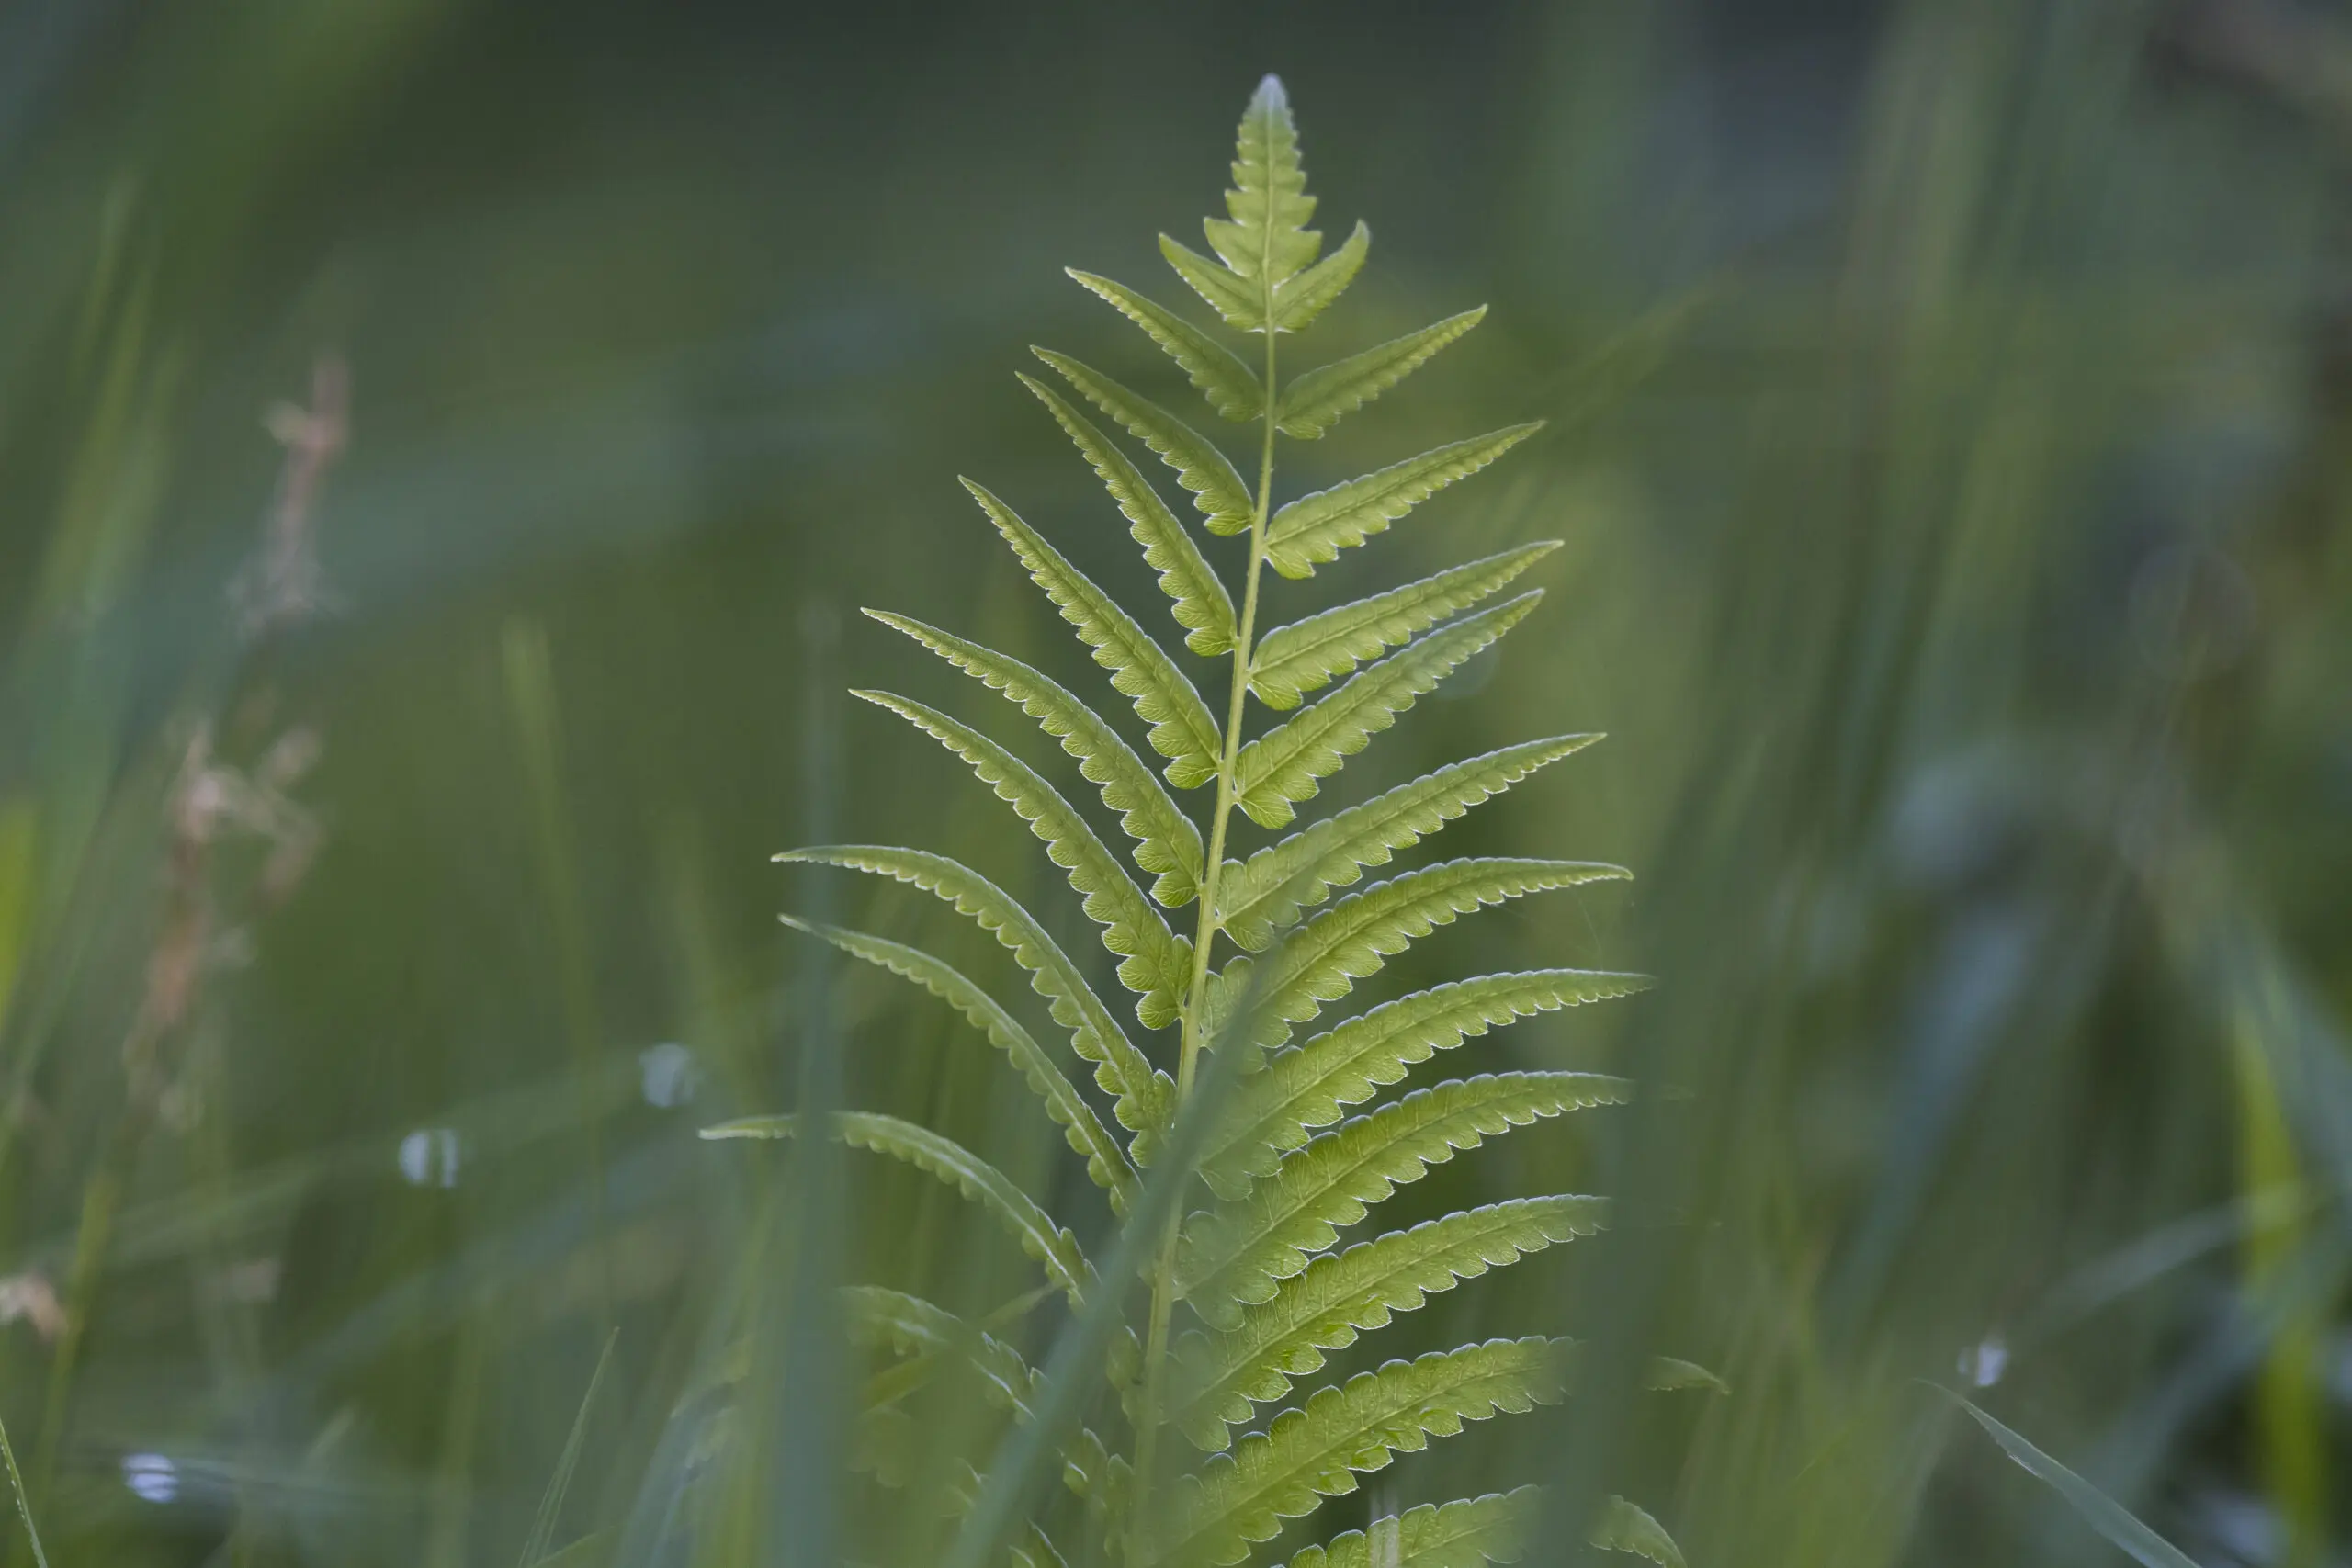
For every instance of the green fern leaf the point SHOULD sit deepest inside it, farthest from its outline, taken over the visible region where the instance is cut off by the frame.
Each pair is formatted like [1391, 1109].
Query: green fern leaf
[1321, 399]
[1309, 294]
[1314, 528]
[1342, 1294]
[1355, 937]
[1285, 766]
[1461, 1534]
[1143, 1094]
[936, 1155]
[1200, 601]
[1165, 840]
[1182, 729]
[1267, 238]
[1624, 1528]
[1268, 890]
[1215, 488]
[1240, 301]
[1236, 1256]
[1230, 386]
[1154, 963]
[1306, 655]
[1311, 1085]
[1317, 1451]
[1105, 1161]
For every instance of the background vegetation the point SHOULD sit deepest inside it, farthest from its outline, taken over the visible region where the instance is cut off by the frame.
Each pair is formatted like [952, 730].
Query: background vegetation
[1952, 432]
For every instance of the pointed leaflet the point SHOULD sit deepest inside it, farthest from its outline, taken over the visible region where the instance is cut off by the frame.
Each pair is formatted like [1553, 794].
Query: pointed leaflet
[1105, 1161]
[1306, 655]
[1230, 386]
[1314, 528]
[1237, 299]
[1355, 937]
[1282, 767]
[1155, 963]
[1315, 1452]
[1236, 1256]
[1182, 729]
[1165, 840]
[1319, 400]
[1311, 1085]
[1200, 468]
[1461, 1534]
[1306, 297]
[1267, 238]
[1624, 1528]
[1344, 1293]
[1143, 1094]
[1271, 887]
[950, 1162]
[1201, 603]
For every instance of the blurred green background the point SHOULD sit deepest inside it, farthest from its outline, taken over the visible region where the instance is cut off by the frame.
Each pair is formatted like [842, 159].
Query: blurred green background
[443, 446]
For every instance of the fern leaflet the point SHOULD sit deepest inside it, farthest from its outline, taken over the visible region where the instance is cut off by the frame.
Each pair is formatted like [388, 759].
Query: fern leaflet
[1284, 767]
[1314, 529]
[1119, 1069]
[1341, 1294]
[1165, 842]
[1106, 1163]
[1317, 1449]
[1460, 1534]
[1272, 888]
[1201, 605]
[1235, 1257]
[1154, 963]
[1306, 655]
[1321, 399]
[1230, 386]
[938, 1155]
[1200, 468]
[1182, 729]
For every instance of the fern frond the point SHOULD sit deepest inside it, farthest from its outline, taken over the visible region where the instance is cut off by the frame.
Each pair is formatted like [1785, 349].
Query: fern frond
[1142, 1093]
[1460, 1534]
[1200, 601]
[1306, 655]
[1105, 1161]
[1321, 399]
[1238, 300]
[936, 1155]
[1230, 386]
[1215, 488]
[1268, 890]
[1182, 728]
[1285, 766]
[1351, 940]
[1342, 1294]
[1267, 238]
[1624, 1528]
[1309, 294]
[1312, 1085]
[1167, 842]
[1154, 963]
[1236, 1256]
[1314, 528]
[1317, 1451]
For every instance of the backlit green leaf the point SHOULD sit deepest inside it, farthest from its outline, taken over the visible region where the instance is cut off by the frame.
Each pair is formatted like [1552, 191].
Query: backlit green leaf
[1319, 400]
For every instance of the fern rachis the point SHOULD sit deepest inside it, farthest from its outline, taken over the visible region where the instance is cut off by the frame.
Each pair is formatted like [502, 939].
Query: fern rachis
[1297, 1154]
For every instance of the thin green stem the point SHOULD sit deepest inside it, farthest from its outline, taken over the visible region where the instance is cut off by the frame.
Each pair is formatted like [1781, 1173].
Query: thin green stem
[1163, 1276]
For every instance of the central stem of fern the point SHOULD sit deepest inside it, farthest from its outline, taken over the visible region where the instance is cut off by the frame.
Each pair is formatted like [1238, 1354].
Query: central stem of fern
[1163, 1277]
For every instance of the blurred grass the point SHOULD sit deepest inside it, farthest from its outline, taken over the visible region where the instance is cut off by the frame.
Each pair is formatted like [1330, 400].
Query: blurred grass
[1949, 432]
